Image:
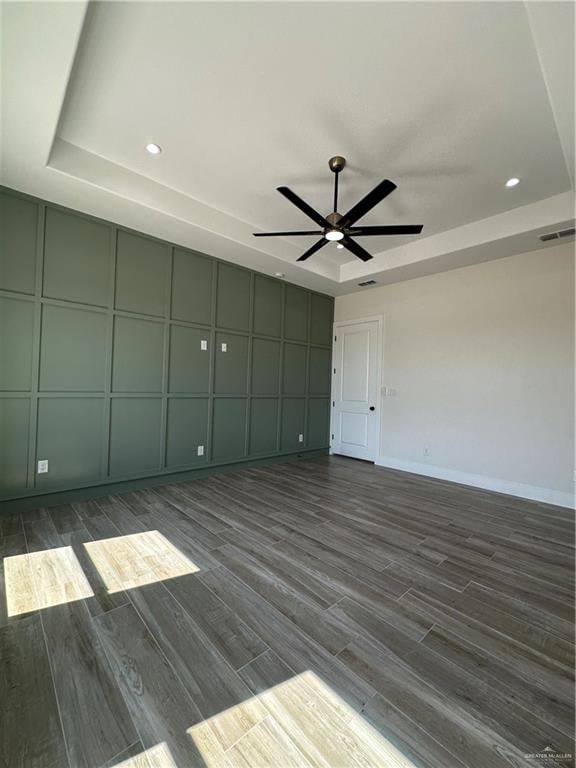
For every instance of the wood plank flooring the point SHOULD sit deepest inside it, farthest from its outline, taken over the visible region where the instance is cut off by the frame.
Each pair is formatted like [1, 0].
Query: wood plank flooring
[316, 613]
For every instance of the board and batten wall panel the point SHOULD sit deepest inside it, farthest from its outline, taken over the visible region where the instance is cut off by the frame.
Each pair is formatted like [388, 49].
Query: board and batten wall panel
[125, 357]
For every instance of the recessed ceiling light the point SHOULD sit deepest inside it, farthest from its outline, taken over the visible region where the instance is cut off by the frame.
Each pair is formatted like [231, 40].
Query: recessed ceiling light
[512, 182]
[334, 234]
[279, 274]
[154, 149]
[339, 245]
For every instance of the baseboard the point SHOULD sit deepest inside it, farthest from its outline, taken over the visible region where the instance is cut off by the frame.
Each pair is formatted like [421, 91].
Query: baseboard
[532, 492]
[70, 495]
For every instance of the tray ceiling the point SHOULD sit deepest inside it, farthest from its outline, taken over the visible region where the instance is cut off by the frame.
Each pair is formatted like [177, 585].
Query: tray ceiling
[446, 99]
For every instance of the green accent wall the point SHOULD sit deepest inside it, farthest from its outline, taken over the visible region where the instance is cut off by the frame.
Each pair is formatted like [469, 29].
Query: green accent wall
[121, 354]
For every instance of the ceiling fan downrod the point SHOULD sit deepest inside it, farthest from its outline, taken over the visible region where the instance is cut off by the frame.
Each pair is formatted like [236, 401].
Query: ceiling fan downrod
[336, 165]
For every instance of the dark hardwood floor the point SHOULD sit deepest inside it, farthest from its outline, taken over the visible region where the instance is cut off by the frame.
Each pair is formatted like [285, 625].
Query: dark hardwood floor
[315, 613]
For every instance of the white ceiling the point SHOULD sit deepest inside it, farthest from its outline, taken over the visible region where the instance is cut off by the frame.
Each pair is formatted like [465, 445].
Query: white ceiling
[446, 99]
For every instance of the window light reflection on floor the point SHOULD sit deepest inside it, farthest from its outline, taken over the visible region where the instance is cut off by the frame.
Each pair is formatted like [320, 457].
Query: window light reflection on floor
[304, 723]
[301, 723]
[125, 562]
[52, 577]
[298, 723]
[43, 579]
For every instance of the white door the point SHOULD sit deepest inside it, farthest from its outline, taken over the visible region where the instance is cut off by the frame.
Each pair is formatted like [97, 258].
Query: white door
[356, 404]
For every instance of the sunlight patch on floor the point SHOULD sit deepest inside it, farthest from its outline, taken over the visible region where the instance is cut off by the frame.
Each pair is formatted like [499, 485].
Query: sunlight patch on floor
[42, 579]
[125, 562]
[305, 724]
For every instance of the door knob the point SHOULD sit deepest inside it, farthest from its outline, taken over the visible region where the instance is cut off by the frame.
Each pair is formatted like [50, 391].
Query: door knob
[372, 408]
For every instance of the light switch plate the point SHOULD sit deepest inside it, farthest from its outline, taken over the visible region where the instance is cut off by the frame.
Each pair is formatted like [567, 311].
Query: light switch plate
[204, 345]
[200, 450]
[224, 347]
[42, 466]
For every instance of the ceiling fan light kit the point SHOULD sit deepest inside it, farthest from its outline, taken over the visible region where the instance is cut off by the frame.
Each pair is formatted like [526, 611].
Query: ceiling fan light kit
[336, 227]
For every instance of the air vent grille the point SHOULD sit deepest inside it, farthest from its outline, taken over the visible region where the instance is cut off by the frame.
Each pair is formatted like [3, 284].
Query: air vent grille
[367, 282]
[555, 235]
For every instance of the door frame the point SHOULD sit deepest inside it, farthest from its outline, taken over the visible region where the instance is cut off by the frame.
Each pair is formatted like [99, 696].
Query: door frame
[379, 370]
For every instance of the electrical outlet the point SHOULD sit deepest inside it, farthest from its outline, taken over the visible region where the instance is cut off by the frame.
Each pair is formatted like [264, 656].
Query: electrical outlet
[426, 451]
[224, 347]
[300, 438]
[200, 450]
[42, 466]
[204, 345]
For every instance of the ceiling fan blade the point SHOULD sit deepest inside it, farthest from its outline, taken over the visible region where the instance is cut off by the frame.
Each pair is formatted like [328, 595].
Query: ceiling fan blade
[304, 207]
[356, 249]
[394, 229]
[316, 247]
[368, 202]
[286, 234]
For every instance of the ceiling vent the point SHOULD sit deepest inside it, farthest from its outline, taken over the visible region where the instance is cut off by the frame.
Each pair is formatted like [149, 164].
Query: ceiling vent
[367, 282]
[555, 235]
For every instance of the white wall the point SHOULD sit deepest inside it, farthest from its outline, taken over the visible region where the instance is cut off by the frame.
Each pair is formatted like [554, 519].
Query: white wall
[482, 359]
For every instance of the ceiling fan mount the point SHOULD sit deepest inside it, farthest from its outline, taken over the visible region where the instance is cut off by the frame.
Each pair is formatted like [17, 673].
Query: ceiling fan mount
[337, 163]
[339, 227]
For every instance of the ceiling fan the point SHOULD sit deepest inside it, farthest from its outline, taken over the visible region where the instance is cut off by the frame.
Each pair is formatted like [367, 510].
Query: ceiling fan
[336, 226]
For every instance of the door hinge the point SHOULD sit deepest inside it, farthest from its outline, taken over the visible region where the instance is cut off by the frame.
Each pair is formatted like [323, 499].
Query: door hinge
[332, 437]
[335, 338]
[333, 403]
[334, 370]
